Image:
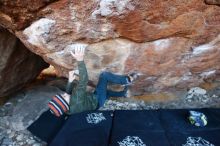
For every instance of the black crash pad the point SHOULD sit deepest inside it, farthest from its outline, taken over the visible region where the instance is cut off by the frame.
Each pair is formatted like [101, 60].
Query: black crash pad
[124, 128]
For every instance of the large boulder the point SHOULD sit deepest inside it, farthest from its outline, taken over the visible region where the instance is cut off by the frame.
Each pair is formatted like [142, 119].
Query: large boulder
[18, 65]
[173, 43]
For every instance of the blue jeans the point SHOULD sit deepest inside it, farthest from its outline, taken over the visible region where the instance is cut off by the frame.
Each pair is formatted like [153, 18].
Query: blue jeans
[101, 91]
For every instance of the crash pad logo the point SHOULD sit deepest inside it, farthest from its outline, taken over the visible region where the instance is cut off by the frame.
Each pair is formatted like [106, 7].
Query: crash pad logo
[132, 141]
[95, 118]
[197, 141]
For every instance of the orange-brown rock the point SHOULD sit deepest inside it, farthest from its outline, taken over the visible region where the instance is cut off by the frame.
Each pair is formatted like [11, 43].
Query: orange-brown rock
[18, 66]
[18, 14]
[173, 43]
[213, 2]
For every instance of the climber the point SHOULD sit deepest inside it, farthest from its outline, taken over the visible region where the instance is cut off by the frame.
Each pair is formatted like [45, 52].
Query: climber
[76, 99]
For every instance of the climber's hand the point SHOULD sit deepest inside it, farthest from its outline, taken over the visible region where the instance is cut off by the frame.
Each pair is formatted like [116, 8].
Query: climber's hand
[79, 51]
[72, 76]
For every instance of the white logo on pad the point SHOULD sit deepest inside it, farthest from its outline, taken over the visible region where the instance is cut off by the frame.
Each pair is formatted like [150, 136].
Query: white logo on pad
[197, 141]
[95, 118]
[131, 141]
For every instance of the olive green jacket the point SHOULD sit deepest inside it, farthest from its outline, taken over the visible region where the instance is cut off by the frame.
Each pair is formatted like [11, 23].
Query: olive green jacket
[80, 99]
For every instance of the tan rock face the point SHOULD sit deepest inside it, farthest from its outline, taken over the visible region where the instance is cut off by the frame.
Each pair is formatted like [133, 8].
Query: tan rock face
[173, 44]
[18, 65]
